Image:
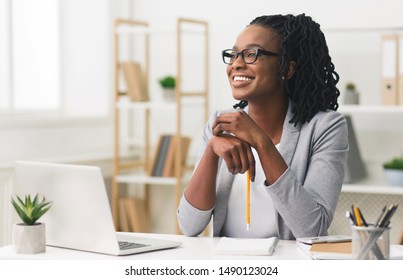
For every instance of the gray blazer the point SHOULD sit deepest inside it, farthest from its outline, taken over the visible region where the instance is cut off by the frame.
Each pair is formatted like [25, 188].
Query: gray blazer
[305, 196]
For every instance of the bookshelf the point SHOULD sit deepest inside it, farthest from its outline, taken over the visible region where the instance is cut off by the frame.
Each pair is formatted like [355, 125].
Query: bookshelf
[134, 157]
[358, 56]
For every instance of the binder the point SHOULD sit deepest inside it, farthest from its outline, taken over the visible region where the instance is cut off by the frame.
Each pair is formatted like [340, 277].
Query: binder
[389, 83]
[354, 165]
[400, 70]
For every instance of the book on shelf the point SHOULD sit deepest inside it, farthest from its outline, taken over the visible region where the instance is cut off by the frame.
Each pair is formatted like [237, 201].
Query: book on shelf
[132, 216]
[163, 163]
[169, 167]
[135, 81]
[123, 219]
[160, 155]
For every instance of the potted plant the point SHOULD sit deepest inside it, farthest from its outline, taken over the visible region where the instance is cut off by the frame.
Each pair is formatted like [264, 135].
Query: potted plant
[29, 237]
[394, 171]
[168, 84]
[351, 95]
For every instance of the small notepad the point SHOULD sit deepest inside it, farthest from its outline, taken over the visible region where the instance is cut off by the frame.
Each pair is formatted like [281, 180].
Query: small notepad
[249, 246]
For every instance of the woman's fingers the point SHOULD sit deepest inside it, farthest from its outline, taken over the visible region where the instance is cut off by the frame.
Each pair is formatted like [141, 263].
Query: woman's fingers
[236, 153]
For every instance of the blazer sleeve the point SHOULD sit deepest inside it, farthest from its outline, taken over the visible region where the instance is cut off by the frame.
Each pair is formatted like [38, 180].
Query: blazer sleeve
[306, 195]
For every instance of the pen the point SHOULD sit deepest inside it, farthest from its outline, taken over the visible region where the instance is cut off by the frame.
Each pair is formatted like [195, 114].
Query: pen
[349, 216]
[353, 216]
[388, 215]
[364, 222]
[248, 199]
[380, 216]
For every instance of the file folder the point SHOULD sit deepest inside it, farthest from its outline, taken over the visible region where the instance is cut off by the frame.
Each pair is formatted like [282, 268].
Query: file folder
[389, 83]
[400, 70]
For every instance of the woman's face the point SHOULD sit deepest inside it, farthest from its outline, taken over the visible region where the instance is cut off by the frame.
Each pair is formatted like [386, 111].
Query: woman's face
[255, 82]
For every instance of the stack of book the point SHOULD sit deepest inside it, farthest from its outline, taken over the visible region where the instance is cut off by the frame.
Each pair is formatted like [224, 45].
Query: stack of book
[163, 164]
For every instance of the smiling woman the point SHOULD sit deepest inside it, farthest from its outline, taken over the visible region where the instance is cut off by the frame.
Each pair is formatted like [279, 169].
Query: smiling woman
[288, 138]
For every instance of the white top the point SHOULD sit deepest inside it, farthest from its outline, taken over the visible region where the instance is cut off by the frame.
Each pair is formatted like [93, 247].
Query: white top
[262, 213]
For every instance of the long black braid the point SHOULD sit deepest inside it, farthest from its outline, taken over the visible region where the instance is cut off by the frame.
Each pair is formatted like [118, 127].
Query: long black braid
[312, 88]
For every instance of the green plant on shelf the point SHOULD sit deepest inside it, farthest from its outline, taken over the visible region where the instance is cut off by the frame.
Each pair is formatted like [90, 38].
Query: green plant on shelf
[167, 82]
[30, 210]
[395, 163]
[350, 86]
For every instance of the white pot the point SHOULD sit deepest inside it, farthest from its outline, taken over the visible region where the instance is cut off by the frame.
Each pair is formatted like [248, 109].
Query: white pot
[351, 97]
[28, 239]
[169, 94]
[394, 177]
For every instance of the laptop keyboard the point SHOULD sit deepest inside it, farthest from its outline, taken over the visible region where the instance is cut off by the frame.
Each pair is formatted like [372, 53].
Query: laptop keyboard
[124, 245]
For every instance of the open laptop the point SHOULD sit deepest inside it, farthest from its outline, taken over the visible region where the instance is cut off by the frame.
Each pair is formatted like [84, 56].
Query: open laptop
[80, 217]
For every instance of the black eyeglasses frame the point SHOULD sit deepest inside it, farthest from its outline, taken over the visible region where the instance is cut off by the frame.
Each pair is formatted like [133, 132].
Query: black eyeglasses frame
[259, 52]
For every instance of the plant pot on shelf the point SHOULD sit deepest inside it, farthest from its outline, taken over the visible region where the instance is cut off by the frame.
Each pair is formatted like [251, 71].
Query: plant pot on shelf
[394, 176]
[168, 84]
[351, 95]
[393, 170]
[169, 94]
[29, 239]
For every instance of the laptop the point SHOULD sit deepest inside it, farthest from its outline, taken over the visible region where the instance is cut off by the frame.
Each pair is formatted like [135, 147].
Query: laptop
[80, 217]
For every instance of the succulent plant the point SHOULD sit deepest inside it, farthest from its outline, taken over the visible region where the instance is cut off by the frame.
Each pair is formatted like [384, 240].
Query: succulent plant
[167, 82]
[350, 86]
[396, 163]
[30, 210]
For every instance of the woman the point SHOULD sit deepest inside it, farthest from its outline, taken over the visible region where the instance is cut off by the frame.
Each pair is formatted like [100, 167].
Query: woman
[289, 137]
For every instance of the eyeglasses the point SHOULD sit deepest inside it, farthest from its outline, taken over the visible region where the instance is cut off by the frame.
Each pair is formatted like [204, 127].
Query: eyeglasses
[248, 55]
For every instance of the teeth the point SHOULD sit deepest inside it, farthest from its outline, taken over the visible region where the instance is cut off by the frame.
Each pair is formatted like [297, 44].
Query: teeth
[241, 78]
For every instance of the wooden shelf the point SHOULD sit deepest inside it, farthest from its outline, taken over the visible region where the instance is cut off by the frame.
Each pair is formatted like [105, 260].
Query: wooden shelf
[372, 189]
[125, 104]
[144, 179]
[370, 109]
[122, 101]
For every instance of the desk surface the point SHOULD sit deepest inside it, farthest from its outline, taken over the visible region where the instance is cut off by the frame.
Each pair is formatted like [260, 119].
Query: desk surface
[193, 248]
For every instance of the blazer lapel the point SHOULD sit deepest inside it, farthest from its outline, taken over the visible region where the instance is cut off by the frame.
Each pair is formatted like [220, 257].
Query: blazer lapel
[289, 137]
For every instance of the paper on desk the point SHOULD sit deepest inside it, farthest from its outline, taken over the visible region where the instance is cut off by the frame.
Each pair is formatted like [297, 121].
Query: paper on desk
[248, 246]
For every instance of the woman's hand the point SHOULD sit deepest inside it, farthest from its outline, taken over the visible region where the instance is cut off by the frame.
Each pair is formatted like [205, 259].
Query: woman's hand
[236, 153]
[239, 124]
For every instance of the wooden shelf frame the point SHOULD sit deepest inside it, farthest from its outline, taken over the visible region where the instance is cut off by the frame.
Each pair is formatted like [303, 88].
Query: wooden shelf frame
[125, 27]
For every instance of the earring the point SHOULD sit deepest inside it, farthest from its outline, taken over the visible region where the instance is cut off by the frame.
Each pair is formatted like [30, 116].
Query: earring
[283, 78]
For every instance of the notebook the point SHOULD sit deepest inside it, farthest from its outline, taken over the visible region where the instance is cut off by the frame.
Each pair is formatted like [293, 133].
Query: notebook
[246, 246]
[80, 217]
[341, 251]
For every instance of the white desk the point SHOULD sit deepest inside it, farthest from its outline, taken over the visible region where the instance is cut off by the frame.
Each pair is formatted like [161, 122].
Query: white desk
[193, 248]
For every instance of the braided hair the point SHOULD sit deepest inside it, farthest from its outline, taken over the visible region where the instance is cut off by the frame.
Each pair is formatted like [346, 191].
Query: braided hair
[312, 88]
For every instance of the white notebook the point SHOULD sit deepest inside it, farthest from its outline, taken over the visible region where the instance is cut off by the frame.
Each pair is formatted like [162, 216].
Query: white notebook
[246, 246]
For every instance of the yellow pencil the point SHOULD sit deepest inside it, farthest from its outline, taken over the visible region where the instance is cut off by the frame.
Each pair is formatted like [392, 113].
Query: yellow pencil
[357, 216]
[247, 199]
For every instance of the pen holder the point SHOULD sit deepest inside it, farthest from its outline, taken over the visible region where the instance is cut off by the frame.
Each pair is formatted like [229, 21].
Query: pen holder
[370, 243]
